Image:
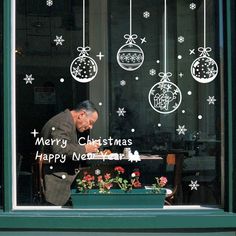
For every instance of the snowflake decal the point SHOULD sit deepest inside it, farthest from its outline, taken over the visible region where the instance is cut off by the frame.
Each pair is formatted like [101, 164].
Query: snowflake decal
[122, 82]
[211, 100]
[192, 6]
[58, 40]
[121, 112]
[181, 74]
[146, 14]
[194, 185]
[28, 79]
[134, 157]
[49, 3]
[152, 72]
[181, 130]
[211, 71]
[180, 39]
[97, 172]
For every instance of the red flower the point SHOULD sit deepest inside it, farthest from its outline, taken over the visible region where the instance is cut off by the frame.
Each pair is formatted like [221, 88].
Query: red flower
[136, 184]
[107, 176]
[88, 178]
[99, 178]
[163, 181]
[119, 169]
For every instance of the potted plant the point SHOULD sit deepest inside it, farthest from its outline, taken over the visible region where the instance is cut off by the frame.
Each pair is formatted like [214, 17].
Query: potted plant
[112, 190]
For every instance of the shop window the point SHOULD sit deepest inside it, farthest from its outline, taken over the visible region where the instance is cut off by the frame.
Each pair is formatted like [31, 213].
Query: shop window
[156, 80]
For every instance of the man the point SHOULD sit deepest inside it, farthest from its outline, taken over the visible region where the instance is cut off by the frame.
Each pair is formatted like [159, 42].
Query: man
[61, 130]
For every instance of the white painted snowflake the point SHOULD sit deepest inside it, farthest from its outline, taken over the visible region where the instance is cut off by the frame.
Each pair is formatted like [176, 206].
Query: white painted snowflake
[180, 39]
[28, 79]
[146, 14]
[121, 111]
[181, 74]
[122, 82]
[211, 71]
[97, 172]
[194, 185]
[152, 72]
[49, 3]
[181, 130]
[211, 100]
[100, 56]
[191, 51]
[192, 6]
[143, 40]
[59, 40]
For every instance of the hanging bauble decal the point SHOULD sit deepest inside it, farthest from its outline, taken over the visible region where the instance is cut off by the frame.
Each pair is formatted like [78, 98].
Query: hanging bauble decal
[204, 69]
[130, 56]
[83, 68]
[165, 97]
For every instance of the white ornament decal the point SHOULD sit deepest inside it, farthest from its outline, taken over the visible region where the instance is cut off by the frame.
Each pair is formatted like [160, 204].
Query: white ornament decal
[192, 6]
[100, 56]
[204, 69]
[59, 40]
[84, 68]
[121, 112]
[194, 185]
[122, 82]
[180, 39]
[130, 56]
[152, 72]
[165, 97]
[211, 100]
[143, 40]
[181, 130]
[28, 79]
[146, 14]
[49, 3]
[97, 172]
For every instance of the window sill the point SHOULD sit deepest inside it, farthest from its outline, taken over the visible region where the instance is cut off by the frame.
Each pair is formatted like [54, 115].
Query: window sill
[74, 219]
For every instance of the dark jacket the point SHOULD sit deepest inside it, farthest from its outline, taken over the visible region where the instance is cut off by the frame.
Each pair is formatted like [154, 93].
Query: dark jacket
[58, 176]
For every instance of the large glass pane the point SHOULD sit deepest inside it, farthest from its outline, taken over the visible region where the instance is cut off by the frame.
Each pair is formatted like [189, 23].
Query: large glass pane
[174, 123]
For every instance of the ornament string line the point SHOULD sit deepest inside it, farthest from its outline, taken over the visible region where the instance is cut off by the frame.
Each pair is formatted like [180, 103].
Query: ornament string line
[130, 17]
[83, 23]
[204, 19]
[165, 13]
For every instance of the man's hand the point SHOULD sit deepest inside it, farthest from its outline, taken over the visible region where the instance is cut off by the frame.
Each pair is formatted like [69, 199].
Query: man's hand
[92, 147]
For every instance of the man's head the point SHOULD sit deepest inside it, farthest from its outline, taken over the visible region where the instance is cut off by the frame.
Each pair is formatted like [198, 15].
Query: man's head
[85, 115]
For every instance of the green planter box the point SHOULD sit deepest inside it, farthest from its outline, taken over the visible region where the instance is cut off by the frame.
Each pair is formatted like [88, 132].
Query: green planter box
[137, 198]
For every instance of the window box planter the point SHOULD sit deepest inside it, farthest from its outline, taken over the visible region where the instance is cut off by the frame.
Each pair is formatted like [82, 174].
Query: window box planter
[137, 198]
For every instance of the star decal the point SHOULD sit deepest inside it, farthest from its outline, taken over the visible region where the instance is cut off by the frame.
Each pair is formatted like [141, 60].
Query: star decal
[181, 130]
[58, 40]
[100, 56]
[211, 100]
[143, 40]
[28, 79]
[194, 185]
[121, 111]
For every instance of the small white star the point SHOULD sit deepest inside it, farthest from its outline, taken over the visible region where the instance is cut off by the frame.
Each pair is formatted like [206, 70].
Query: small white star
[28, 79]
[191, 51]
[122, 82]
[58, 40]
[97, 172]
[34, 133]
[181, 74]
[143, 40]
[146, 14]
[49, 3]
[211, 100]
[152, 72]
[121, 111]
[180, 39]
[192, 6]
[181, 130]
[194, 185]
[100, 55]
